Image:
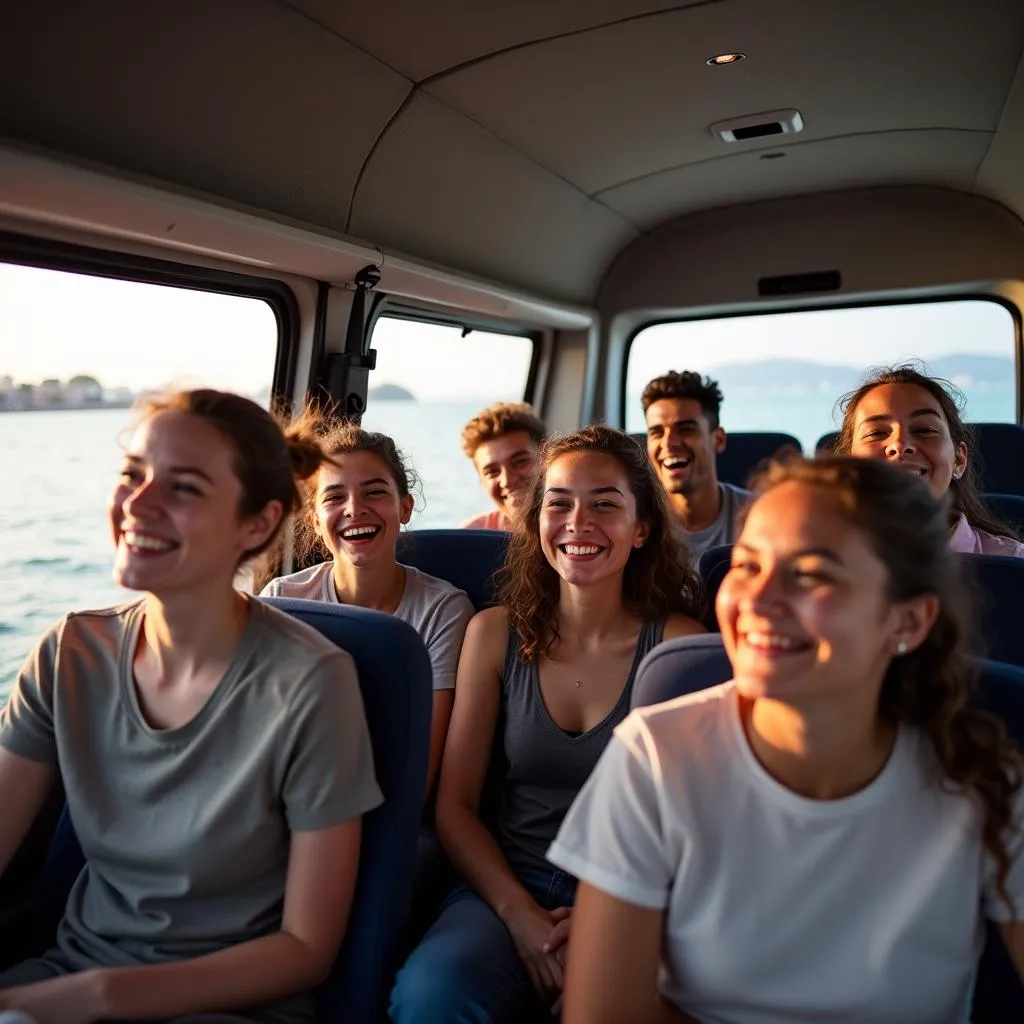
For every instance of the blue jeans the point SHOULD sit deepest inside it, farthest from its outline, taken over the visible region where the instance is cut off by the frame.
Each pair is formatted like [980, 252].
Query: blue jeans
[466, 970]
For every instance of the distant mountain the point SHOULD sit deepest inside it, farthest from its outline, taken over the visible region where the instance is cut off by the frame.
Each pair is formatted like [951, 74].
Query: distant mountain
[390, 393]
[800, 376]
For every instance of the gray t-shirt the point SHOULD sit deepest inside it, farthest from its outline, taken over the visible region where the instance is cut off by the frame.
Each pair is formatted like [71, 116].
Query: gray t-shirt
[723, 529]
[186, 830]
[437, 611]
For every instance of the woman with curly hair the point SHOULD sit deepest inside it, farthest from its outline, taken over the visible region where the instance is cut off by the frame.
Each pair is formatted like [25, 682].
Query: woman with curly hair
[821, 837]
[912, 420]
[594, 578]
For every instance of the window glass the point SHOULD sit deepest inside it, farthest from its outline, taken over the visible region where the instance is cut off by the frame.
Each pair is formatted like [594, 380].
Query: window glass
[786, 371]
[429, 381]
[74, 351]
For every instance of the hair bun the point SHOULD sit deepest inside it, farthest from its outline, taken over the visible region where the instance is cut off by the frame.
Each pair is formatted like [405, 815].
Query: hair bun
[306, 455]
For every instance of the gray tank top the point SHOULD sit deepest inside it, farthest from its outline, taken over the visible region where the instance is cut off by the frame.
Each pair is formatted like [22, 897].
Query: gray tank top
[547, 766]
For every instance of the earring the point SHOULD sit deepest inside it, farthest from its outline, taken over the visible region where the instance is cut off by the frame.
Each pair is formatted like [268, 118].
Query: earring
[902, 649]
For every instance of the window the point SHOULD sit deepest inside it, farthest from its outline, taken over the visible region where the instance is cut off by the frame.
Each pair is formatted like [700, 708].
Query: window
[786, 371]
[430, 380]
[74, 351]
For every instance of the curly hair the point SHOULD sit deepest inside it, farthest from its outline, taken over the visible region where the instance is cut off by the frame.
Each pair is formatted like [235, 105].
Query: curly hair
[932, 687]
[686, 384]
[966, 499]
[498, 420]
[342, 437]
[659, 577]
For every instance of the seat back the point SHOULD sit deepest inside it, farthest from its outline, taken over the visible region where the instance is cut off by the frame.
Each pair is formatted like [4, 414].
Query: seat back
[746, 451]
[396, 684]
[468, 559]
[712, 566]
[999, 457]
[694, 663]
[827, 443]
[1008, 508]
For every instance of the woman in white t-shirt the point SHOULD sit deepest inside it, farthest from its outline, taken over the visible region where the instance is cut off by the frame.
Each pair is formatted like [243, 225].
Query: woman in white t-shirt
[355, 508]
[822, 837]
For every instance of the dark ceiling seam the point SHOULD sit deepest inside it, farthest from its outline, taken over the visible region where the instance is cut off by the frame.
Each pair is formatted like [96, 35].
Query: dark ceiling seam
[501, 51]
[373, 149]
[1002, 113]
[782, 148]
[536, 163]
[337, 35]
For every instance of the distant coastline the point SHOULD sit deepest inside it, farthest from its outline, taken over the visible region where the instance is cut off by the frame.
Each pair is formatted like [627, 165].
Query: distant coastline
[123, 404]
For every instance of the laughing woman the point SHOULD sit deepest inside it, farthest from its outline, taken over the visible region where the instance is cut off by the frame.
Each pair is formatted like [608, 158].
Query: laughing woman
[595, 578]
[213, 750]
[355, 509]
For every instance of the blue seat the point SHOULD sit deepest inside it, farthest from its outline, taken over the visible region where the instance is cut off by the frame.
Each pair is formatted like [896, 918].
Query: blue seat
[999, 457]
[827, 443]
[468, 559]
[1008, 508]
[395, 680]
[694, 663]
[712, 566]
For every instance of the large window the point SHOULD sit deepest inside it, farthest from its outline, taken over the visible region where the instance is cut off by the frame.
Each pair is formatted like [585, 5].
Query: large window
[74, 351]
[786, 371]
[430, 379]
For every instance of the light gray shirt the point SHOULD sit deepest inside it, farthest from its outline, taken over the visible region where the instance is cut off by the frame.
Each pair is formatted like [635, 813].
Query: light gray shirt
[437, 611]
[186, 830]
[723, 530]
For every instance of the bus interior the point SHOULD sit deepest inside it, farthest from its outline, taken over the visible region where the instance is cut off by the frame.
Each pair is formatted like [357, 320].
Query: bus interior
[588, 191]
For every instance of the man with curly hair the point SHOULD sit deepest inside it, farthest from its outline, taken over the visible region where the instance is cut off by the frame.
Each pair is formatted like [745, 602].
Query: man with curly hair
[684, 436]
[503, 441]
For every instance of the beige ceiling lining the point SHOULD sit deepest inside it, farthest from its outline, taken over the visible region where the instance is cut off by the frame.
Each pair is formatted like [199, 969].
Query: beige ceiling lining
[491, 208]
[783, 145]
[443, 35]
[526, 44]
[945, 159]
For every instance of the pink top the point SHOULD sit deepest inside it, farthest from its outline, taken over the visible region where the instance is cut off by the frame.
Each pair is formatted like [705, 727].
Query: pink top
[493, 520]
[966, 540]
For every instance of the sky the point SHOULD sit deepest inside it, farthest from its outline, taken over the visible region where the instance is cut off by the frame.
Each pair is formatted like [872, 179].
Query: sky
[55, 324]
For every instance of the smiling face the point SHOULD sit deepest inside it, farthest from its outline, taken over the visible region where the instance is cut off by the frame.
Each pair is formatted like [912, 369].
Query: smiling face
[358, 512]
[588, 520]
[905, 424]
[506, 466]
[805, 609]
[682, 446]
[175, 512]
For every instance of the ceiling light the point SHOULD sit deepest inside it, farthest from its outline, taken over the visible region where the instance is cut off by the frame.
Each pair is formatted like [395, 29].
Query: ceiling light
[725, 58]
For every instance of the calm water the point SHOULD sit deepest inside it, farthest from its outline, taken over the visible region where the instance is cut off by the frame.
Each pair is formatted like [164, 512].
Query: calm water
[57, 469]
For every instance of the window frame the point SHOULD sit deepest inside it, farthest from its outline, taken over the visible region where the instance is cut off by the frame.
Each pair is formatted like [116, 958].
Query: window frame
[1010, 307]
[388, 307]
[68, 257]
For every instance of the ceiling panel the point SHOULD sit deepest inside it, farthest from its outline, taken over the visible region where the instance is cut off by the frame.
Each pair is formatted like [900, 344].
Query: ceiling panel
[947, 158]
[422, 37]
[245, 99]
[1001, 174]
[618, 103]
[441, 187]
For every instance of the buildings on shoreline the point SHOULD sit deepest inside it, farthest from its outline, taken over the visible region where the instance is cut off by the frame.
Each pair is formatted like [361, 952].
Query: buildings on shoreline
[80, 392]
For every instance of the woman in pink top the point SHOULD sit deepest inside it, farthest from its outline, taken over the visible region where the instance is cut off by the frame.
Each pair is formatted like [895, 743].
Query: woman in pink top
[903, 416]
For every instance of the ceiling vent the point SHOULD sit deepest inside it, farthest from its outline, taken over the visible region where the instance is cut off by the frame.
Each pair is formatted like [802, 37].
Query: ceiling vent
[759, 126]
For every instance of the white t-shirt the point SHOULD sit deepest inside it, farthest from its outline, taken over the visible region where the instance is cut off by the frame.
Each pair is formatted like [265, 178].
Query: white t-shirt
[437, 611]
[782, 909]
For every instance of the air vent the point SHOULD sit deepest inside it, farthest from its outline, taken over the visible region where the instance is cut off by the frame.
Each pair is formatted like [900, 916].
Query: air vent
[759, 126]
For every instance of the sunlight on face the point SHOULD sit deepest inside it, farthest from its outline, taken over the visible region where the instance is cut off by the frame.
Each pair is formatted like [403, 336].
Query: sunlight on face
[588, 520]
[359, 512]
[804, 610]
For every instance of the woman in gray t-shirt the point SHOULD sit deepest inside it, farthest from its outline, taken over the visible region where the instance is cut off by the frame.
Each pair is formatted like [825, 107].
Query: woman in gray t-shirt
[213, 750]
[355, 507]
[595, 577]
